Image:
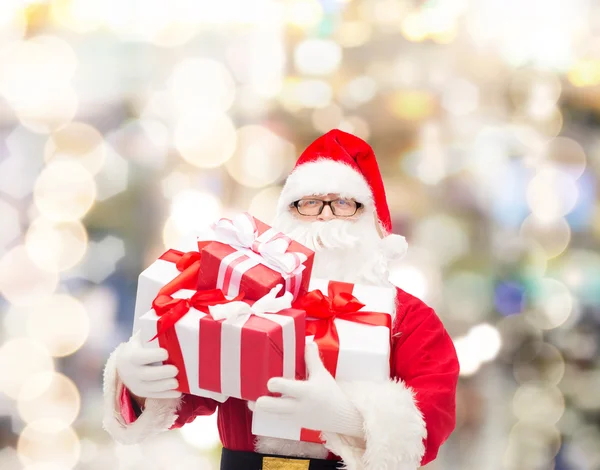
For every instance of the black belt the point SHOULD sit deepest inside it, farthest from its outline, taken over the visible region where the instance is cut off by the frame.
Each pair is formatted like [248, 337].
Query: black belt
[237, 460]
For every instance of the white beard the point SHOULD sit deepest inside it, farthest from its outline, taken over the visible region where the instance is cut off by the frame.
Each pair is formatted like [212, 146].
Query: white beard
[348, 251]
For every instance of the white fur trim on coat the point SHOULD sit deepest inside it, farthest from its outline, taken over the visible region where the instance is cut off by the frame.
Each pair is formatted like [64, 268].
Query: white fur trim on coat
[158, 415]
[393, 425]
[325, 176]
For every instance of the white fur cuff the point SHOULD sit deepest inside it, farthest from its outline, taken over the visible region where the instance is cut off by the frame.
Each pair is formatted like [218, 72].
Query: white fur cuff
[158, 415]
[393, 425]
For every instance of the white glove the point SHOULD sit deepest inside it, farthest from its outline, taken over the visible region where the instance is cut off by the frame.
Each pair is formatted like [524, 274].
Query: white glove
[316, 403]
[137, 370]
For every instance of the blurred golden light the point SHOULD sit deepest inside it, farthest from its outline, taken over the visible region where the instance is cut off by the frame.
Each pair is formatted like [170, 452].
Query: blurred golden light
[303, 13]
[551, 194]
[60, 323]
[312, 93]
[81, 16]
[357, 126]
[43, 466]
[200, 84]
[359, 90]
[538, 404]
[48, 112]
[532, 131]
[261, 157]
[49, 404]
[534, 88]
[325, 119]
[413, 27]
[263, 205]
[44, 56]
[56, 246]
[20, 359]
[207, 140]
[585, 72]
[552, 305]
[467, 357]
[13, 22]
[64, 191]
[160, 23]
[353, 33]
[174, 34]
[460, 97]
[531, 446]
[568, 155]
[552, 236]
[317, 57]
[445, 36]
[194, 211]
[171, 236]
[23, 282]
[79, 142]
[412, 105]
[60, 448]
[40, 105]
[485, 339]
[545, 366]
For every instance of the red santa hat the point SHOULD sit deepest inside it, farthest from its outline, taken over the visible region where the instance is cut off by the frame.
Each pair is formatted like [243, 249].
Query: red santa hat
[341, 163]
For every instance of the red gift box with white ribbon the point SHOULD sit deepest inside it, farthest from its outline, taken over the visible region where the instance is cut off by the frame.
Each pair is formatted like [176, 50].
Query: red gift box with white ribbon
[245, 255]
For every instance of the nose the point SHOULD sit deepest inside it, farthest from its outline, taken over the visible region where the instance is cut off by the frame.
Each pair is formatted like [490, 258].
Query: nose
[326, 214]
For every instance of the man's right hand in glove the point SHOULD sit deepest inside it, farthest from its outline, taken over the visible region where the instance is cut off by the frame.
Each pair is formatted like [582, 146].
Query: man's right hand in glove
[138, 370]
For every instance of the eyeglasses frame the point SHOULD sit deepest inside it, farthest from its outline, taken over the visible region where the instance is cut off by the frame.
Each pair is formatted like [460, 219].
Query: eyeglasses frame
[359, 206]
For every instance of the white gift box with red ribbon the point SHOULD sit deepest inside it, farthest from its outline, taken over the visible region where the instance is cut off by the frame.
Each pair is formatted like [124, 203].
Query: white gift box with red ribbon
[362, 353]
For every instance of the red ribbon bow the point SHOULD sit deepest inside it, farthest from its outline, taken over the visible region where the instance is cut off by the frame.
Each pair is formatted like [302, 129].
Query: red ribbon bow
[171, 310]
[340, 303]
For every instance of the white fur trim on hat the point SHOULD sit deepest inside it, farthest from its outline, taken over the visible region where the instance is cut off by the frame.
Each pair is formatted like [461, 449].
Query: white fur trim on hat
[393, 425]
[158, 415]
[321, 177]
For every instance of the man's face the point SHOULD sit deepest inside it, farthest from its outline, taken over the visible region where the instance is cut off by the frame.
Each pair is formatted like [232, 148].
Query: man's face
[326, 207]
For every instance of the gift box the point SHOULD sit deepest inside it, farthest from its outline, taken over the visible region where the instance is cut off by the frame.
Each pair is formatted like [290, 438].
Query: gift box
[246, 255]
[351, 325]
[224, 348]
[165, 269]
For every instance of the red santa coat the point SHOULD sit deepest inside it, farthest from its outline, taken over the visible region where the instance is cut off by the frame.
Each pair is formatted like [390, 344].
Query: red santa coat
[406, 420]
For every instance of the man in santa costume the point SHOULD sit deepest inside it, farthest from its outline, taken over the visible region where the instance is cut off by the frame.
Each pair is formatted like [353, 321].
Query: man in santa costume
[333, 202]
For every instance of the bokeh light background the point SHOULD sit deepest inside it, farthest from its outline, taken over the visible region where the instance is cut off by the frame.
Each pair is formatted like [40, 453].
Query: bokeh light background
[126, 124]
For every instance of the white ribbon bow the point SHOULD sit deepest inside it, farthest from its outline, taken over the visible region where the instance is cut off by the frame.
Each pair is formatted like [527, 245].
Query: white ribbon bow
[234, 312]
[241, 232]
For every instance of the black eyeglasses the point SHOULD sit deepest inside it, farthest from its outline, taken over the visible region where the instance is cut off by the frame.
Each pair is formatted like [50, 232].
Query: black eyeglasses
[339, 207]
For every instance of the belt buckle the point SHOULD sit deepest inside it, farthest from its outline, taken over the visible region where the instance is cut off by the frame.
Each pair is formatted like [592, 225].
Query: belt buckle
[276, 463]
